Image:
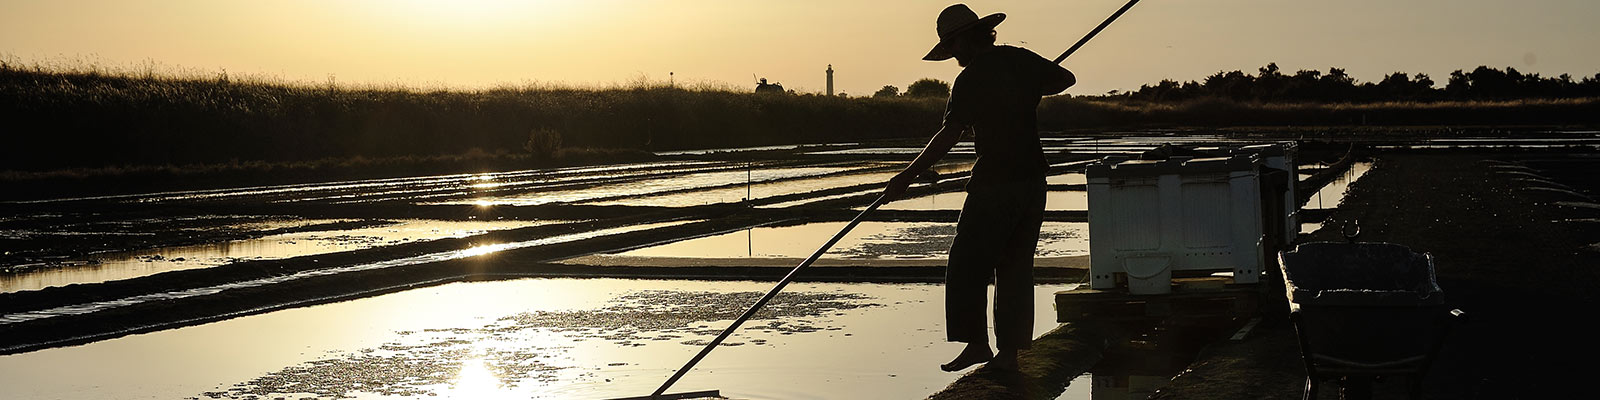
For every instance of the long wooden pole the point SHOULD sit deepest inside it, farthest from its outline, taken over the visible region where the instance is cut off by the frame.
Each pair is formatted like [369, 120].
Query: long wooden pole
[764, 299]
[1096, 30]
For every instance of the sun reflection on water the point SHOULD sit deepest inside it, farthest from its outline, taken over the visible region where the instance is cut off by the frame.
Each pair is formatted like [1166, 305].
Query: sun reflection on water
[482, 249]
[475, 381]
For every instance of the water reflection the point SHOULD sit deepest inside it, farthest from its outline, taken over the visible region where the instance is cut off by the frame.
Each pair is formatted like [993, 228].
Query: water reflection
[1333, 193]
[532, 338]
[753, 191]
[1067, 179]
[869, 240]
[476, 382]
[133, 264]
[1136, 374]
[652, 186]
[811, 200]
[1054, 201]
[340, 189]
[86, 308]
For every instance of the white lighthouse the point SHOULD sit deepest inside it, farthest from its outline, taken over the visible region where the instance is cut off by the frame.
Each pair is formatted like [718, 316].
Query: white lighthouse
[830, 80]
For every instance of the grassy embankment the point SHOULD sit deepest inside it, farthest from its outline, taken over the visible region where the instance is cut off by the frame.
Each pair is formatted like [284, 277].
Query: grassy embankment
[67, 124]
[63, 127]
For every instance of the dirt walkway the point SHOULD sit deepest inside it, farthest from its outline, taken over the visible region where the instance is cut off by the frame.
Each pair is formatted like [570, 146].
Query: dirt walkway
[1056, 357]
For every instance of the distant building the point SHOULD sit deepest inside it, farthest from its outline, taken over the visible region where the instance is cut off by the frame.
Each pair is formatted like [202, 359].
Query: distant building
[830, 79]
[764, 87]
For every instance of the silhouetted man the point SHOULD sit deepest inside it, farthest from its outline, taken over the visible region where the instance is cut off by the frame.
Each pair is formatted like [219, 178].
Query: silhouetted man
[995, 97]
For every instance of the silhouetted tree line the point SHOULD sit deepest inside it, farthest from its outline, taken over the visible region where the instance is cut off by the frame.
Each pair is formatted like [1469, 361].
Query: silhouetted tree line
[61, 120]
[924, 88]
[1270, 84]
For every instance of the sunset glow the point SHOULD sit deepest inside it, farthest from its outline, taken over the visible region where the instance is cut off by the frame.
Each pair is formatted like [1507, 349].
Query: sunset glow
[485, 43]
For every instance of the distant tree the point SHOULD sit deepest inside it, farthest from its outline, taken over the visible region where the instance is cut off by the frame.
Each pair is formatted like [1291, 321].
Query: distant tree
[1590, 86]
[1166, 90]
[1232, 85]
[927, 87]
[1424, 81]
[887, 91]
[1270, 84]
[1399, 86]
[1459, 86]
[1301, 85]
[1337, 75]
[1337, 85]
[1493, 83]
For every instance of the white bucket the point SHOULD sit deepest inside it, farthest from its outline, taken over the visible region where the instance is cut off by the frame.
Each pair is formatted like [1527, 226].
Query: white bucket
[1148, 275]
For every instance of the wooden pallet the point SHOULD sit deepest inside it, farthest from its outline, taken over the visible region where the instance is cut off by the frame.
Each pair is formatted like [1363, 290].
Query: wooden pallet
[1228, 301]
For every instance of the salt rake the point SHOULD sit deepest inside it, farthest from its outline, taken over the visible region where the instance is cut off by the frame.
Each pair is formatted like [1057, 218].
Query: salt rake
[658, 395]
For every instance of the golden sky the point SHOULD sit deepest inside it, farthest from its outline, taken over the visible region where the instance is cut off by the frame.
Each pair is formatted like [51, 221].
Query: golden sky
[482, 43]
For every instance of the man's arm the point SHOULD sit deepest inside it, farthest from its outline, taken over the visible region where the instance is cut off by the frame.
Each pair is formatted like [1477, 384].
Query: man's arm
[1057, 79]
[941, 143]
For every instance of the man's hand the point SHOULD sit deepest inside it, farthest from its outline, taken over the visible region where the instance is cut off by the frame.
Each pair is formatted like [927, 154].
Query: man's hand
[897, 186]
[941, 143]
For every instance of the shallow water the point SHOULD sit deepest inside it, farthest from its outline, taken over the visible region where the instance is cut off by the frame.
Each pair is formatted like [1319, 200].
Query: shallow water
[1117, 149]
[1333, 193]
[531, 338]
[388, 184]
[1053, 201]
[701, 152]
[960, 148]
[872, 181]
[1076, 178]
[755, 191]
[475, 251]
[133, 264]
[870, 151]
[650, 186]
[811, 200]
[869, 240]
[483, 185]
[150, 226]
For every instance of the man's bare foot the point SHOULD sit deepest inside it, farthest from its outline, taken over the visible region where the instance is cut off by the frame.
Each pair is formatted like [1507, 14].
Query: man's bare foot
[975, 353]
[1006, 360]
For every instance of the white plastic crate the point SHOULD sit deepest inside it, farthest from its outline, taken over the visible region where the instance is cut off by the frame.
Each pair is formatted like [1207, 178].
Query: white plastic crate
[1281, 156]
[1148, 219]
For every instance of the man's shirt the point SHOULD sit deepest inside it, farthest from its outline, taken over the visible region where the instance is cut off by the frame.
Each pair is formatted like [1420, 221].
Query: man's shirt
[998, 95]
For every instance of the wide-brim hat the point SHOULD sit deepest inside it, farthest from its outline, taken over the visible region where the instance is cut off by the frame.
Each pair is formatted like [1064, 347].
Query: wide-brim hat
[953, 21]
